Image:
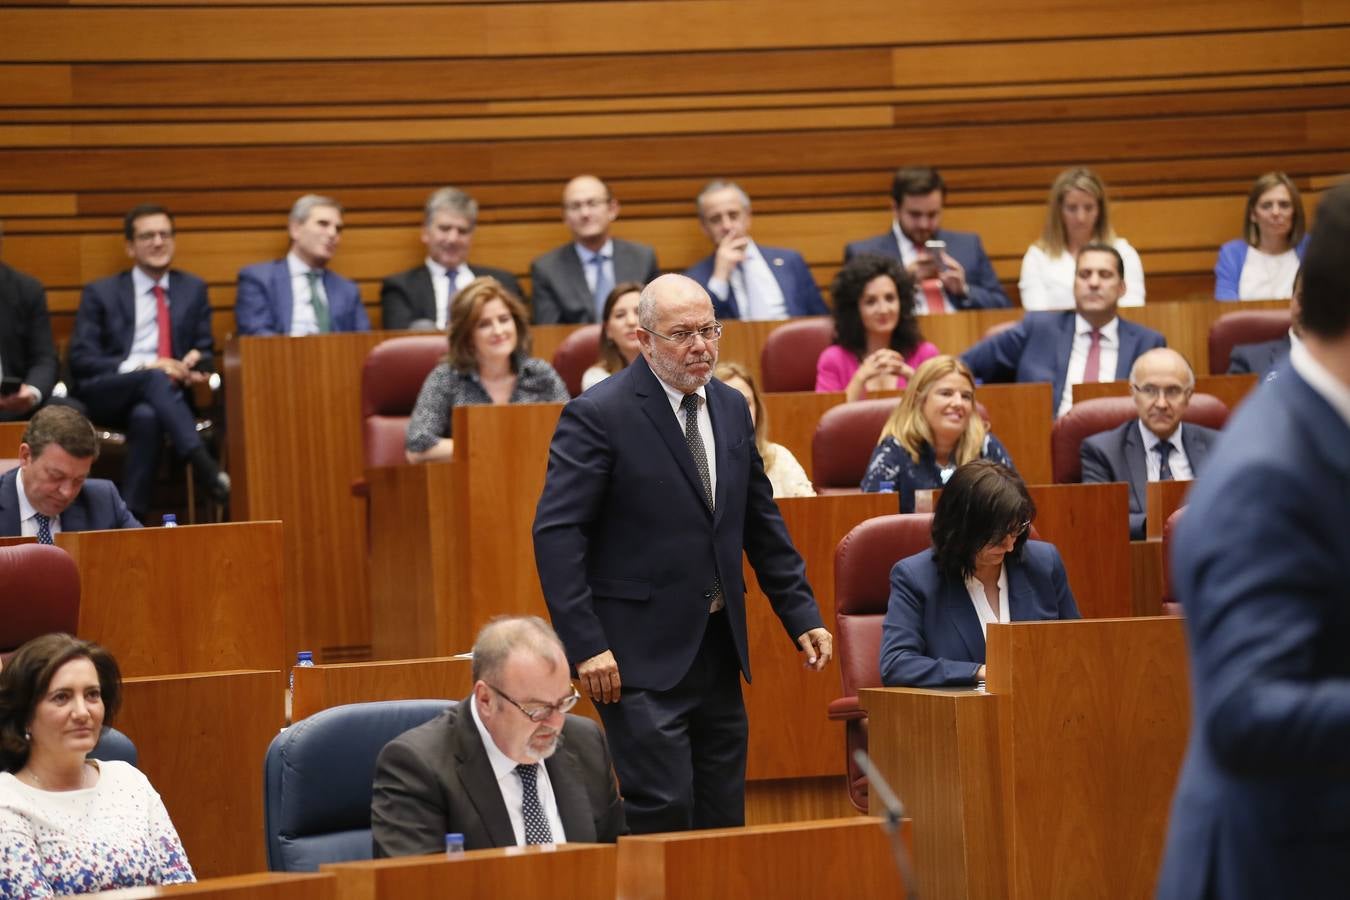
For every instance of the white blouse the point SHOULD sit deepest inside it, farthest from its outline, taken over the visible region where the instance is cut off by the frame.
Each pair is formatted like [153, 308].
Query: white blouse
[1047, 281]
[1265, 276]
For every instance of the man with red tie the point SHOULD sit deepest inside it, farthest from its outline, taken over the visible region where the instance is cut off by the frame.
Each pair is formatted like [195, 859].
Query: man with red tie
[142, 338]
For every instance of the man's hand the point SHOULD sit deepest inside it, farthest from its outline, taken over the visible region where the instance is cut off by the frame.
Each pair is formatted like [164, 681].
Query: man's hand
[21, 401]
[819, 647]
[174, 368]
[953, 276]
[600, 677]
[730, 254]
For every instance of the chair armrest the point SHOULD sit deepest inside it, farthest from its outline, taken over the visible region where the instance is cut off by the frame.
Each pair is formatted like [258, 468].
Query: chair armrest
[846, 709]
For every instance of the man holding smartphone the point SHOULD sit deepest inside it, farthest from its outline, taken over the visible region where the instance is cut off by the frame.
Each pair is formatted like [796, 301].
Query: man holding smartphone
[27, 353]
[951, 269]
[142, 338]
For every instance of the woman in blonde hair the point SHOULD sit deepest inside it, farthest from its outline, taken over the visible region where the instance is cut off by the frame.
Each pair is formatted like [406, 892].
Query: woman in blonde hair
[934, 429]
[1077, 214]
[785, 474]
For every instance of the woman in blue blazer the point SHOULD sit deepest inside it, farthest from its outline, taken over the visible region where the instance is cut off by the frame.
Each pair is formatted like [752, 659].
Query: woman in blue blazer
[1262, 263]
[980, 569]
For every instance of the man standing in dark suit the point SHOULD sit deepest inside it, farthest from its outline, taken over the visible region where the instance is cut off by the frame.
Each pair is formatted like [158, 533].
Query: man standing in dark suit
[748, 281]
[1156, 446]
[420, 297]
[476, 769]
[1066, 348]
[653, 493]
[572, 282]
[299, 295]
[51, 490]
[958, 276]
[1262, 806]
[142, 338]
[27, 353]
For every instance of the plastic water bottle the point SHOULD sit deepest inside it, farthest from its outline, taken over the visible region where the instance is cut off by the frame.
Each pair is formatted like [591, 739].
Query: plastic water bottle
[886, 487]
[303, 660]
[170, 520]
[454, 844]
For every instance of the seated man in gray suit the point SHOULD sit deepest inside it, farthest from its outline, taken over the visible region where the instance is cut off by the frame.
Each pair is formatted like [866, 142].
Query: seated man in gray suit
[1156, 446]
[420, 297]
[1262, 357]
[51, 490]
[507, 766]
[572, 282]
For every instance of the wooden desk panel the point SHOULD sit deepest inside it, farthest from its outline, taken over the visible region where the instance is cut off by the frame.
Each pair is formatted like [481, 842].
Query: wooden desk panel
[790, 736]
[1090, 526]
[1021, 415]
[258, 886]
[793, 418]
[201, 740]
[1231, 389]
[326, 686]
[196, 598]
[521, 873]
[1163, 499]
[11, 436]
[806, 860]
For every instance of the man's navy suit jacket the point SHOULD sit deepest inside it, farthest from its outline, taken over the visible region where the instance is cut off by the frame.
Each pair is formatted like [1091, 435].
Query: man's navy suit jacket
[97, 508]
[800, 293]
[105, 324]
[1038, 348]
[627, 550]
[983, 290]
[1118, 455]
[1262, 807]
[1260, 358]
[264, 303]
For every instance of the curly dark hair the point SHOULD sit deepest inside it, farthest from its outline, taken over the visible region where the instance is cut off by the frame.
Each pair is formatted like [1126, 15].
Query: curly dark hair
[24, 681]
[847, 290]
[981, 504]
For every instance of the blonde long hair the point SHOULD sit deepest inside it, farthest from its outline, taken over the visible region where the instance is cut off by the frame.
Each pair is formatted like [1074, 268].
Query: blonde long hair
[726, 371]
[911, 430]
[1054, 237]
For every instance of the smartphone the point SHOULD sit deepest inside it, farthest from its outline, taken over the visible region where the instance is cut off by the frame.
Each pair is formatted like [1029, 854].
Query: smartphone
[10, 384]
[935, 250]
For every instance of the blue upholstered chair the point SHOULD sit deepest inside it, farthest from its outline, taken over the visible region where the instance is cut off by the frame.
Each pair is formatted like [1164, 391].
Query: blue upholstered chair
[317, 779]
[113, 745]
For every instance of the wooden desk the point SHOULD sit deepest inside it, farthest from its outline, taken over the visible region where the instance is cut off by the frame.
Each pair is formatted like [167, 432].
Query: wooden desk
[521, 873]
[806, 860]
[793, 418]
[1057, 781]
[1021, 415]
[11, 436]
[325, 686]
[201, 740]
[1231, 389]
[258, 886]
[1163, 499]
[197, 598]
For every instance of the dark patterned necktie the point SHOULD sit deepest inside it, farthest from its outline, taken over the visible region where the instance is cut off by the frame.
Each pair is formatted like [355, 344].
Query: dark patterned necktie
[1164, 468]
[318, 301]
[44, 524]
[536, 825]
[695, 441]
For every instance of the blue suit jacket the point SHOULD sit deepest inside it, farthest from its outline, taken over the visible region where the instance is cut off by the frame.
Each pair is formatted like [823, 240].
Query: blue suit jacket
[263, 304]
[626, 547]
[983, 290]
[1262, 807]
[105, 324]
[1260, 358]
[97, 508]
[1038, 349]
[931, 636]
[1118, 455]
[800, 293]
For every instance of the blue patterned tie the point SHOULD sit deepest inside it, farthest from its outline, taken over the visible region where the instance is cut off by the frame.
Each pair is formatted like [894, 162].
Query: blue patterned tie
[536, 825]
[44, 528]
[1164, 468]
[603, 286]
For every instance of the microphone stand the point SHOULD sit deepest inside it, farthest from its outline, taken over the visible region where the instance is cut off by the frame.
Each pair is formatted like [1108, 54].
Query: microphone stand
[895, 811]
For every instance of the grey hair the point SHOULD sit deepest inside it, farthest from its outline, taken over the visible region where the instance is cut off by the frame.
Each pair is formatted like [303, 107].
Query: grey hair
[506, 634]
[1139, 360]
[454, 200]
[719, 184]
[305, 205]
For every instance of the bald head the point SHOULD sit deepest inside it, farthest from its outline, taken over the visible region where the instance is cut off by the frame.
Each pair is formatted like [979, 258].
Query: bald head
[588, 209]
[673, 310]
[1161, 381]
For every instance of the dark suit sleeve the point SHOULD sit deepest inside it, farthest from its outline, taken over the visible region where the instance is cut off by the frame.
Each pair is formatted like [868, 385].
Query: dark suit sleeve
[395, 304]
[1239, 362]
[360, 320]
[203, 341]
[40, 352]
[252, 305]
[653, 270]
[510, 283]
[808, 295]
[1097, 469]
[121, 515]
[88, 353]
[995, 359]
[602, 786]
[904, 648]
[407, 812]
[983, 290]
[1065, 605]
[547, 307]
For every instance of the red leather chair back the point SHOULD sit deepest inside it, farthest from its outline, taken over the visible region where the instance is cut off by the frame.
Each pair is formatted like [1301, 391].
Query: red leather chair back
[843, 443]
[1170, 605]
[41, 593]
[1089, 417]
[578, 352]
[390, 381]
[1250, 326]
[788, 360]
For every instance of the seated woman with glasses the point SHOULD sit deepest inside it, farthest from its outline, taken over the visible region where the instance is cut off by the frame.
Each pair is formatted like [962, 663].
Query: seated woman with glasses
[935, 428]
[981, 568]
[489, 362]
[877, 342]
[70, 824]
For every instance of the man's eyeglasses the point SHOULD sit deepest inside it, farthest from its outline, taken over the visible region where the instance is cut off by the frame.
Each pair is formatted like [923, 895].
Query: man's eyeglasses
[709, 333]
[540, 712]
[1173, 392]
[147, 237]
[591, 203]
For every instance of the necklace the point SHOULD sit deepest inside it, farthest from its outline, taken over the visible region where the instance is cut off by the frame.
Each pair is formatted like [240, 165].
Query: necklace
[37, 781]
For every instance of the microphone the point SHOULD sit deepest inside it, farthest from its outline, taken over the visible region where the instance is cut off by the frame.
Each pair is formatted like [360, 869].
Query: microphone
[895, 811]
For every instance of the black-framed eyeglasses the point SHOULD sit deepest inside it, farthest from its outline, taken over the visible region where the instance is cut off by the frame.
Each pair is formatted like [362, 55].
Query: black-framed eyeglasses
[542, 711]
[1016, 532]
[709, 333]
[1173, 392]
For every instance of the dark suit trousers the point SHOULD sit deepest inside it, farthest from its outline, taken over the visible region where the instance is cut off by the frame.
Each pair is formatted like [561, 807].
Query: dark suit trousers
[680, 754]
[147, 405]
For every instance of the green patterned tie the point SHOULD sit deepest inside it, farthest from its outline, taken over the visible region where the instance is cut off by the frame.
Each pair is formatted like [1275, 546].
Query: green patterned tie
[318, 301]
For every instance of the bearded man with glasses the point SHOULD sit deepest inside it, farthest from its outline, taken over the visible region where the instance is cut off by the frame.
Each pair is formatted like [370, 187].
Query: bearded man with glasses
[505, 767]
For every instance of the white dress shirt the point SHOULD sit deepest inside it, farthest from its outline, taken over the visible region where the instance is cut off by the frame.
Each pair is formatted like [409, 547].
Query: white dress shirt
[1082, 341]
[1177, 460]
[908, 253]
[1265, 276]
[1046, 281]
[508, 782]
[28, 526]
[1320, 379]
[983, 610]
[758, 293]
[303, 321]
[441, 285]
[145, 336]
